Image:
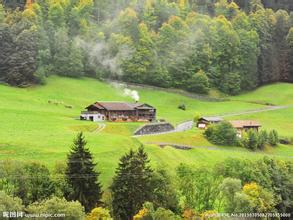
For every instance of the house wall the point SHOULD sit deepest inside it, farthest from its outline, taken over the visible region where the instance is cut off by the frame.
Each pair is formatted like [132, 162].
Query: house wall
[93, 117]
[146, 115]
[240, 131]
[202, 125]
[121, 116]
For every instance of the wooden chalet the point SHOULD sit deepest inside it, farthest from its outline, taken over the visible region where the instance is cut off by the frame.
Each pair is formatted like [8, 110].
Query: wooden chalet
[119, 111]
[245, 125]
[204, 122]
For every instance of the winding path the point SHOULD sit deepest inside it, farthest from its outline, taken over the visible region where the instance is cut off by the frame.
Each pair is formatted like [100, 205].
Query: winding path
[187, 125]
[247, 112]
[100, 128]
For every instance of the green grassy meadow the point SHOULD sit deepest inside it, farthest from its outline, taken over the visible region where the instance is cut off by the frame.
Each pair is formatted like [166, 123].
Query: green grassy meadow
[275, 94]
[35, 125]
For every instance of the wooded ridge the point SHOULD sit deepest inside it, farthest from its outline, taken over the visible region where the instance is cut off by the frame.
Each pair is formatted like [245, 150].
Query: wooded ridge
[190, 45]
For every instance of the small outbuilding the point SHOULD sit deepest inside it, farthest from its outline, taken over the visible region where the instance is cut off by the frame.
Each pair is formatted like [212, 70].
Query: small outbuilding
[204, 122]
[245, 125]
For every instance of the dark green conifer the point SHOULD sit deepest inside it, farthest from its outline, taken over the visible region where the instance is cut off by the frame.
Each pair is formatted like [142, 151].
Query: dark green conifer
[81, 175]
[131, 186]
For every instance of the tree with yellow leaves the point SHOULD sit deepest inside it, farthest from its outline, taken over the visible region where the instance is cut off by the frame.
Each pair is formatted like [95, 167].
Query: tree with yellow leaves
[99, 213]
[144, 212]
[260, 199]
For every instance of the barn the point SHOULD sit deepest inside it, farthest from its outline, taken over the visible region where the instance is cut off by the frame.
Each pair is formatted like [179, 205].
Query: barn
[245, 125]
[119, 111]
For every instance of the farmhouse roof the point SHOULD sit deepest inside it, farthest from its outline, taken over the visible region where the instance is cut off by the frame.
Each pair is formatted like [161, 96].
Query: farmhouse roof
[211, 119]
[245, 123]
[121, 106]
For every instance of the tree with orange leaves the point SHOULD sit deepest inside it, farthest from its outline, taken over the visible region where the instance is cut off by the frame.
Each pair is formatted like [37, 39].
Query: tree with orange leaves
[29, 3]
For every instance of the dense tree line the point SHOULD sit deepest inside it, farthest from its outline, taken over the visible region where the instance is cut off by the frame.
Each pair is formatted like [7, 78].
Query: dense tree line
[192, 45]
[139, 191]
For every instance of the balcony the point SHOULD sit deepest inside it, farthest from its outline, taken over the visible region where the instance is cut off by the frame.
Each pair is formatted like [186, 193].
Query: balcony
[89, 112]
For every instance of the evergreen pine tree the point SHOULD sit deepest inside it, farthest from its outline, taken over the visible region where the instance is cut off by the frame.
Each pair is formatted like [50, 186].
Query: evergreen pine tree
[131, 186]
[273, 138]
[252, 140]
[81, 175]
[262, 139]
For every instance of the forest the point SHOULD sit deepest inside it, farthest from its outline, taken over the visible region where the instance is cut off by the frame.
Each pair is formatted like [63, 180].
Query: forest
[191, 45]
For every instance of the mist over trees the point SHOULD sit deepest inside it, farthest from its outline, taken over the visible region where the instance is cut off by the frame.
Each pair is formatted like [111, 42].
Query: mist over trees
[191, 45]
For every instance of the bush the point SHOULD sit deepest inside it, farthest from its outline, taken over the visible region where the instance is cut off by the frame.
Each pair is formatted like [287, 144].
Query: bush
[257, 140]
[72, 210]
[148, 212]
[286, 140]
[182, 107]
[9, 204]
[222, 134]
[99, 213]
[196, 117]
[273, 138]
[40, 76]
[250, 140]
[164, 214]
[262, 139]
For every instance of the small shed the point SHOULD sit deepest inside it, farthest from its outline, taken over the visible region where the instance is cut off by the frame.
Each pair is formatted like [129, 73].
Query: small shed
[245, 125]
[204, 122]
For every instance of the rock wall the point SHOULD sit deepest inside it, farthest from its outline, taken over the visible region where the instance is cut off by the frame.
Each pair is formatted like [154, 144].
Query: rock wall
[154, 128]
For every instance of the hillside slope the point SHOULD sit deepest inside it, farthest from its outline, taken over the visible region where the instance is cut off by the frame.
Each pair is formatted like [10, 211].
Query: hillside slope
[35, 124]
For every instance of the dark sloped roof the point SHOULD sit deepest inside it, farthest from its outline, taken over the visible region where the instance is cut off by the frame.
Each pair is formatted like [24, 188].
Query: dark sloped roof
[143, 106]
[95, 105]
[211, 118]
[112, 106]
[120, 106]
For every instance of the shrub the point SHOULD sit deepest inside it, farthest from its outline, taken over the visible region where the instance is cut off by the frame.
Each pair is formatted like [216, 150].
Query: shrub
[182, 107]
[72, 210]
[286, 140]
[9, 204]
[164, 214]
[250, 140]
[262, 139]
[196, 117]
[99, 213]
[273, 138]
[222, 134]
[148, 212]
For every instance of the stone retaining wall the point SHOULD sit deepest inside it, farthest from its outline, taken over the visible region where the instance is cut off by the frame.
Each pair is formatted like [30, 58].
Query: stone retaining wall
[154, 128]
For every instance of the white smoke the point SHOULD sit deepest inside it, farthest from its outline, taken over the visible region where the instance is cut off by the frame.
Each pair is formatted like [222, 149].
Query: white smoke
[132, 93]
[99, 55]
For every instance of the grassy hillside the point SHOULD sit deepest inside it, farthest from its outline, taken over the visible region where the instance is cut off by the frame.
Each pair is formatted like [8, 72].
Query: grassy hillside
[36, 125]
[275, 94]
